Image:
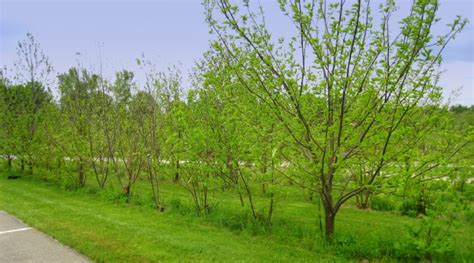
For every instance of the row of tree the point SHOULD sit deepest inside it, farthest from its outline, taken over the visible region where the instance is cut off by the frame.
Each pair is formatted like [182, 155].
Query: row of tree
[343, 110]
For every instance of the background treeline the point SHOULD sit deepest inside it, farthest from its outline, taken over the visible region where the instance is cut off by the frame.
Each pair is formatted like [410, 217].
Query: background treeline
[245, 128]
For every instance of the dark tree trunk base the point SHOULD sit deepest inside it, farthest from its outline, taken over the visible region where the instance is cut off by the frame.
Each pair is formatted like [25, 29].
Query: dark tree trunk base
[329, 227]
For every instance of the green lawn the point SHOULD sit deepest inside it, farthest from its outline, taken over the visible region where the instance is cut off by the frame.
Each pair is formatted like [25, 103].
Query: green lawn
[115, 231]
[107, 232]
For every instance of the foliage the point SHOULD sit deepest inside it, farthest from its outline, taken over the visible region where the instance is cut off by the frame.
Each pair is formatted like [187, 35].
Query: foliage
[347, 93]
[382, 204]
[428, 239]
[272, 137]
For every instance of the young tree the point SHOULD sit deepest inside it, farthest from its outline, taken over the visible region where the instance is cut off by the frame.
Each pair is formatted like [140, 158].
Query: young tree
[19, 112]
[7, 120]
[127, 129]
[199, 168]
[32, 68]
[463, 125]
[152, 125]
[77, 92]
[341, 87]
[164, 128]
[246, 137]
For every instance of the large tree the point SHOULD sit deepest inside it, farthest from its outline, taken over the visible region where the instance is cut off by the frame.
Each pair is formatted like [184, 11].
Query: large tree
[343, 86]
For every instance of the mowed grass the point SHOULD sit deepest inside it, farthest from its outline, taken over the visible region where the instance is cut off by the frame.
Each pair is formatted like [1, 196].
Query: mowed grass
[118, 233]
[111, 231]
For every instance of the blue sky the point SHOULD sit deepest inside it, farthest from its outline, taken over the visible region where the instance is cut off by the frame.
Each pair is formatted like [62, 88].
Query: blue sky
[172, 32]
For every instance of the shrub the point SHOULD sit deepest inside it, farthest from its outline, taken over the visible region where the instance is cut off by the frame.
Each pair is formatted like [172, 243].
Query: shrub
[176, 205]
[380, 203]
[409, 207]
[371, 246]
[428, 240]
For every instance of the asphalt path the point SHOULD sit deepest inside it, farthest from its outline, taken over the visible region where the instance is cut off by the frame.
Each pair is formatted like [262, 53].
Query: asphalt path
[22, 243]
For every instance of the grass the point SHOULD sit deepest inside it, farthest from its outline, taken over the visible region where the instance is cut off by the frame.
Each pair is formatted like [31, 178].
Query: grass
[107, 230]
[118, 233]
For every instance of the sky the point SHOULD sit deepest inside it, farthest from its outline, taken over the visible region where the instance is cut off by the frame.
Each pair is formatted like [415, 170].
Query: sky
[175, 33]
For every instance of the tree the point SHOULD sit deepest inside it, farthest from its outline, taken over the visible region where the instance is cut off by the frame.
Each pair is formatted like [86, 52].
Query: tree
[33, 68]
[77, 92]
[8, 145]
[127, 131]
[246, 136]
[463, 127]
[199, 148]
[19, 112]
[162, 126]
[342, 88]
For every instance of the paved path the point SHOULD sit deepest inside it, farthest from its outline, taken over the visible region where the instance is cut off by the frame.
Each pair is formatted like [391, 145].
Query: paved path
[21, 243]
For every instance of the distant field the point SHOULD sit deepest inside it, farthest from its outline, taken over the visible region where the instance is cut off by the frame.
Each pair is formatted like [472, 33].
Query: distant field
[106, 230]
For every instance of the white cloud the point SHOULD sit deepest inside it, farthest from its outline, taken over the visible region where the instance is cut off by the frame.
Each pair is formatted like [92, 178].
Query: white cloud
[458, 82]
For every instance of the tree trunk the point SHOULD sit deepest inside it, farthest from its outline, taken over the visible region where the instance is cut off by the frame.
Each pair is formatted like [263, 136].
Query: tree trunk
[270, 210]
[329, 214]
[461, 187]
[126, 189]
[155, 187]
[363, 199]
[9, 161]
[205, 205]
[82, 176]
[249, 194]
[176, 175]
[252, 207]
[30, 167]
[329, 227]
[241, 199]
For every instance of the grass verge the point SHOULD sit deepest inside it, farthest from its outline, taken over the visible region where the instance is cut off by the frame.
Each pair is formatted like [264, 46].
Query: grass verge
[118, 233]
[109, 230]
